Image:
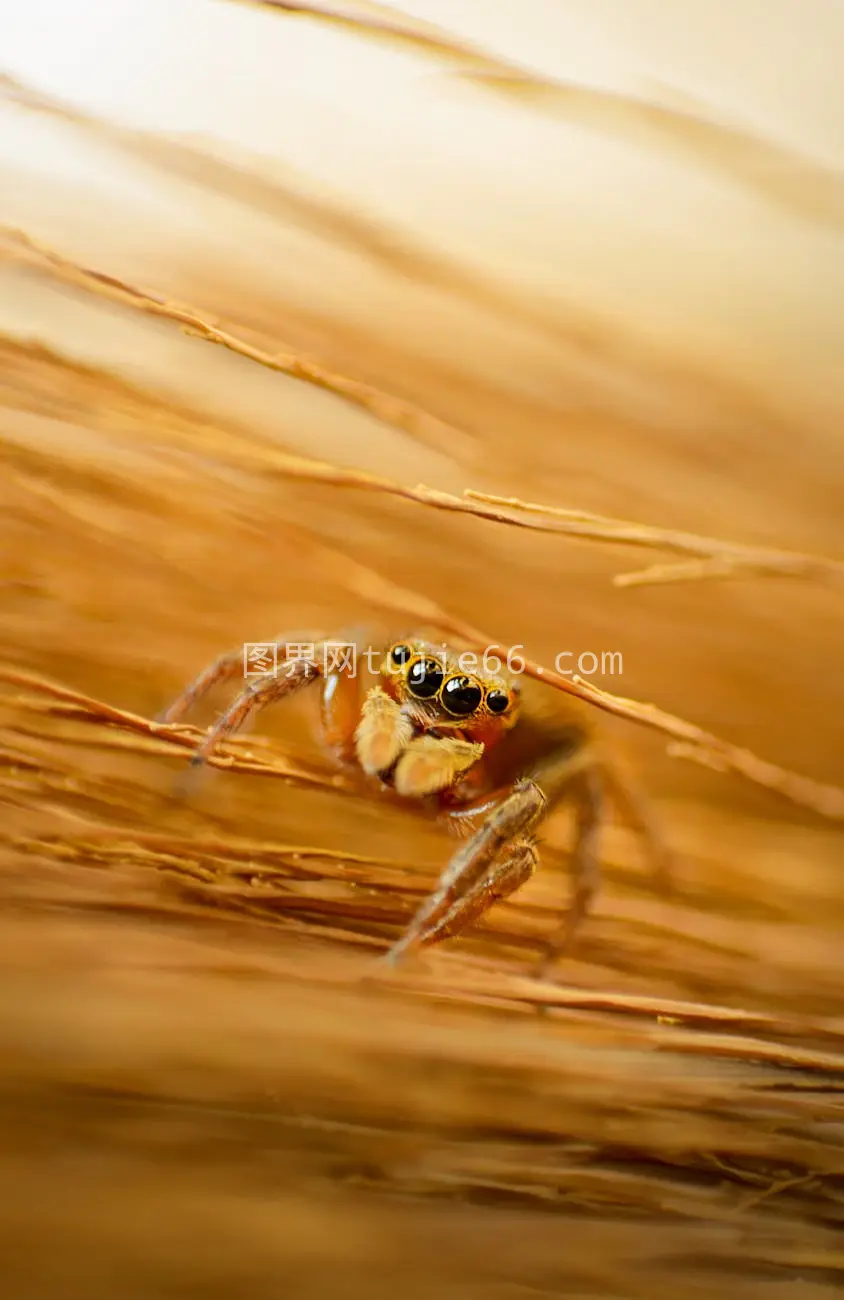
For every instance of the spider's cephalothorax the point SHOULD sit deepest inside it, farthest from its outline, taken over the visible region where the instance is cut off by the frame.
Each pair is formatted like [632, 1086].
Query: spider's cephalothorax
[437, 727]
[432, 720]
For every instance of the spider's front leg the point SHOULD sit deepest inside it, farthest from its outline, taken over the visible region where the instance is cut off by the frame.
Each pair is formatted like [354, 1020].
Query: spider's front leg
[225, 668]
[289, 678]
[338, 700]
[502, 855]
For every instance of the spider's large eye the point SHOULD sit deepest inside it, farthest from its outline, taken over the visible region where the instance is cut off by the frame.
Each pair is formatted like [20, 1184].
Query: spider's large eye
[461, 696]
[425, 679]
[400, 654]
[498, 701]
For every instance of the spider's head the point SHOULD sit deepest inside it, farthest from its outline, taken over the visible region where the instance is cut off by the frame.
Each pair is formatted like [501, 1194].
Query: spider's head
[447, 690]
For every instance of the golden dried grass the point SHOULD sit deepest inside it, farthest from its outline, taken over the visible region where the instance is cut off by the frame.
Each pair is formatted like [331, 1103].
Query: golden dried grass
[207, 1087]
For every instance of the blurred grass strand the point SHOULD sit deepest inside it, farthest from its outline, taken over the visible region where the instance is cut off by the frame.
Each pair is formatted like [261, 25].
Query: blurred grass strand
[717, 556]
[796, 183]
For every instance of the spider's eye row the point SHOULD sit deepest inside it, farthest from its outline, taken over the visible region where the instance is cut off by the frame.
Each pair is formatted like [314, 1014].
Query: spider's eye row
[497, 701]
[401, 654]
[424, 679]
[461, 696]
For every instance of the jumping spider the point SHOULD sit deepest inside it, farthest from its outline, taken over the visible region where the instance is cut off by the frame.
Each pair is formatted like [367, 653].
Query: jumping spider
[465, 744]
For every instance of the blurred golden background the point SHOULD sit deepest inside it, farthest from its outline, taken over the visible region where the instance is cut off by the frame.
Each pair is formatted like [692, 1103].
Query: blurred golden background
[586, 255]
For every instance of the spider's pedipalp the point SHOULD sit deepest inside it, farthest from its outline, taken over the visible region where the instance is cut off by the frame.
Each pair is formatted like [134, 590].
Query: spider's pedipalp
[383, 732]
[430, 764]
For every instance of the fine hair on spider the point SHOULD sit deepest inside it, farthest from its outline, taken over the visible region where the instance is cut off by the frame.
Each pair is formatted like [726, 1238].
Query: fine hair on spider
[468, 744]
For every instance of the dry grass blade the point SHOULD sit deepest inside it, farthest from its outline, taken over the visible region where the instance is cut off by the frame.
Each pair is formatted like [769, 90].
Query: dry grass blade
[154, 737]
[384, 406]
[383, 23]
[714, 556]
[279, 880]
[784, 176]
[721, 558]
[699, 745]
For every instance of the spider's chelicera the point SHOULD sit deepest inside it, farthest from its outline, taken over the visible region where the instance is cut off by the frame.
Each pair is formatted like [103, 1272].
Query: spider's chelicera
[460, 742]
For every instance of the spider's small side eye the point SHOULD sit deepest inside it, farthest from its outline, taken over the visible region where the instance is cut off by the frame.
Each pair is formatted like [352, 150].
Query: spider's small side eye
[497, 701]
[425, 679]
[461, 696]
[401, 654]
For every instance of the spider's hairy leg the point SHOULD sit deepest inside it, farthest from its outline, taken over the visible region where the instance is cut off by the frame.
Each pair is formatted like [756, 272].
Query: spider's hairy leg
[502, 879]
[492, 859]
[340, 703]
[473, 864]
[225, 668]
[463, 818]
[635, 808]
[339, 713]
[587, 791]
[290, 678]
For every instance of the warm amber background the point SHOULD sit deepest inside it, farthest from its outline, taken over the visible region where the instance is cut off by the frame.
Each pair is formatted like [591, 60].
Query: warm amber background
[600, 308]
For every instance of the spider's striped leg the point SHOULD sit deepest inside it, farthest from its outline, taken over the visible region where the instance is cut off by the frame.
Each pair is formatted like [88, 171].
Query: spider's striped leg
[227, 667]
[587, 791]
[636, 809]
[502, 879]
[474, 863]
[502, 854]
[290, 678]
